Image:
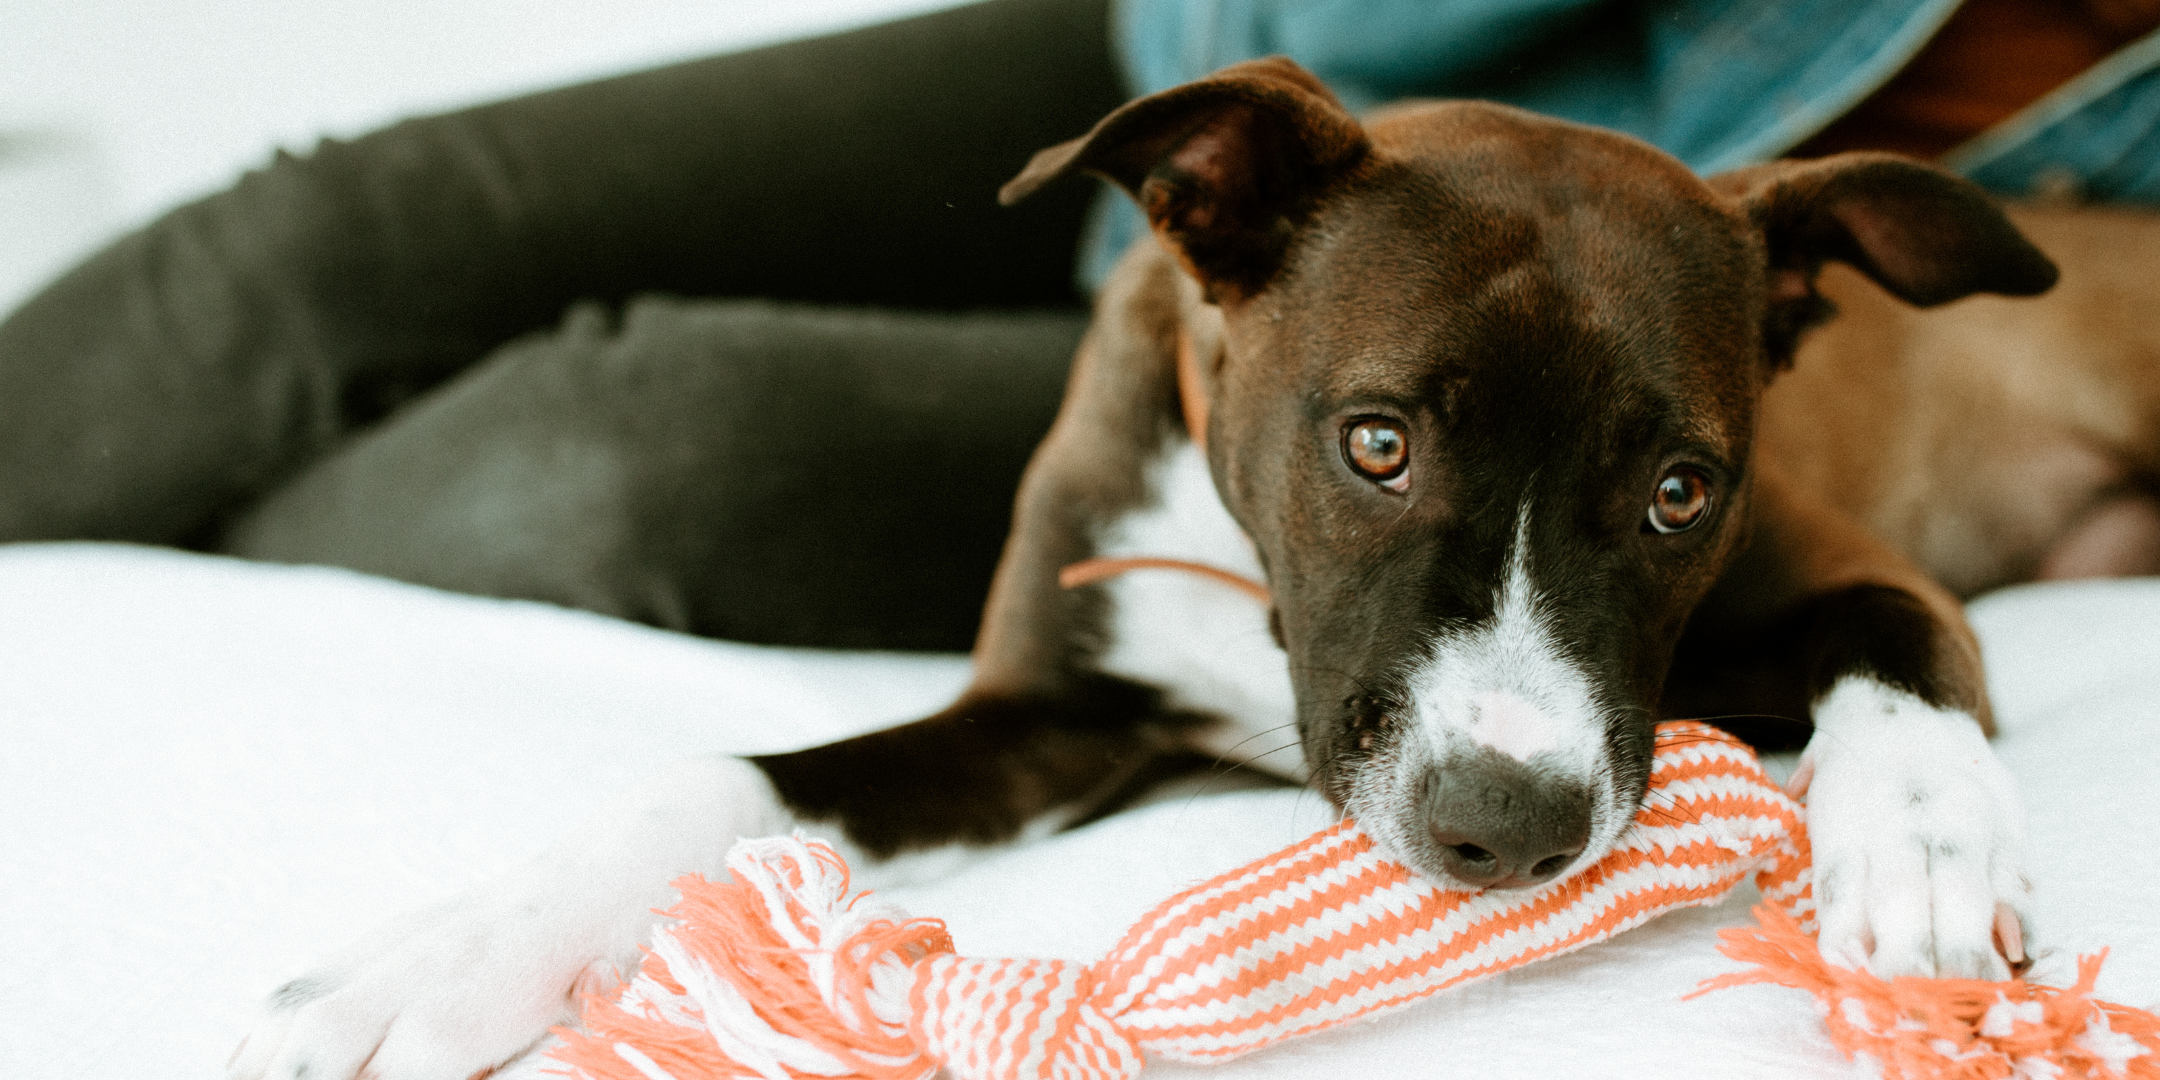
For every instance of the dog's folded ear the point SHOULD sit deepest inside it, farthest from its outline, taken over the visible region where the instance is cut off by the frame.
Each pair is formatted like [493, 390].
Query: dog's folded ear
[1923, 234]
[1222, 166]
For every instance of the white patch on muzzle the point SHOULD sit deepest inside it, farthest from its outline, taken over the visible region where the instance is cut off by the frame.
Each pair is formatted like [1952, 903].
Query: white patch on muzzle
[1506, 684]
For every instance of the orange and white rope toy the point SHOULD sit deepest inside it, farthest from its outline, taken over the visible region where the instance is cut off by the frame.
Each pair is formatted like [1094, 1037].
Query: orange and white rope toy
[779, 974]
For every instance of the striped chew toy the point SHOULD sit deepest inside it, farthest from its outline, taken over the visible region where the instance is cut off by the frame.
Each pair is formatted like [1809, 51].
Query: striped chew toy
[779, 974]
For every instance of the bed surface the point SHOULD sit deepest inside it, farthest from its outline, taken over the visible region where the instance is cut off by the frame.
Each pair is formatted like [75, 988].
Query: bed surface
[213, 773]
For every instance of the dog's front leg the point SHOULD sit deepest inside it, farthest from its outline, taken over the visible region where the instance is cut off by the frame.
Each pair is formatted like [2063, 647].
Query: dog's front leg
[1917, 829]
[453, 990]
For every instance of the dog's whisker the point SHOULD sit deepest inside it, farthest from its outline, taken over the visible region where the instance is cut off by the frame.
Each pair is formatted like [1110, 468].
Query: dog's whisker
[1214, 774]
[1224, 757]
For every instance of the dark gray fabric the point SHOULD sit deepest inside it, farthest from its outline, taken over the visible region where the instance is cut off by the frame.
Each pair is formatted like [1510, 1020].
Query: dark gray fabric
[780, 473]
[179, 376]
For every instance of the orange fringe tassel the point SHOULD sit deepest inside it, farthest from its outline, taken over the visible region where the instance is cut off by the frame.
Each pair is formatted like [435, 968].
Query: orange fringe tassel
[1951, 1029]
[734, 934]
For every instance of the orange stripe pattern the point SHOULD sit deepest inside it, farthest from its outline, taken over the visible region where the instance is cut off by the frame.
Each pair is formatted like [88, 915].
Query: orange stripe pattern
[1018, 1018]
[1331, 930]
[1326, 931]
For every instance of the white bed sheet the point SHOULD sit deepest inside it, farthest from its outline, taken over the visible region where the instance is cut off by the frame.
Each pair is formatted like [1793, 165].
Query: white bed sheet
[212, 773]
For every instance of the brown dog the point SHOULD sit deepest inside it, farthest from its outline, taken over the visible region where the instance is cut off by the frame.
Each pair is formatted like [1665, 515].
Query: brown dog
[1483, 399]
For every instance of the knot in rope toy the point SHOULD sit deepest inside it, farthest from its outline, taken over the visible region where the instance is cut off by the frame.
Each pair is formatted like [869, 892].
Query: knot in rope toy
[780, 974]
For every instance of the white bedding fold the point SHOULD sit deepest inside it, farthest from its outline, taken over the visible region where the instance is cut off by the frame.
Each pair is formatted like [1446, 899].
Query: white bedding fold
[212, 773]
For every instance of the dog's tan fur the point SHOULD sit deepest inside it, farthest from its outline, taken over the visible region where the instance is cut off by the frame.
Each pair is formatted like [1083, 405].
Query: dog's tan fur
[1992, 440]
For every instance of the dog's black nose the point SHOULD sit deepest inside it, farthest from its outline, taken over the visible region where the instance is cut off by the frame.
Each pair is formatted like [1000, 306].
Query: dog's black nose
[1502, 824]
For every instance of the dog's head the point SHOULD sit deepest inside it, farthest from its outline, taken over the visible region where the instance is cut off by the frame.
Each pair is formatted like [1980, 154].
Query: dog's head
[1483, 398]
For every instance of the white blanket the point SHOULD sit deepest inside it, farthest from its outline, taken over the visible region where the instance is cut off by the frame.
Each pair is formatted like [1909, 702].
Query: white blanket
[213, 773]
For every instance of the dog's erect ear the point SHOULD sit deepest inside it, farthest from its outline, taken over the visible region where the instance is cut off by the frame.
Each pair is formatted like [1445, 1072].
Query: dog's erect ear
[1222, 166]
[1923, 234]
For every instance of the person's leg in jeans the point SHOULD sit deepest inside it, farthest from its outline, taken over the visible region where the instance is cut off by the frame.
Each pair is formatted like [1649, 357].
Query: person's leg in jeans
[176, 378]
[836, 477]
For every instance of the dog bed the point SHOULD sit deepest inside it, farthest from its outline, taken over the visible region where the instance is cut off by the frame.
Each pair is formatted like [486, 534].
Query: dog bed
[213, 773]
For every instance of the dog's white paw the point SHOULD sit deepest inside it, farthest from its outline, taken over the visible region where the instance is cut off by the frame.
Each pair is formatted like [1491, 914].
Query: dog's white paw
[455, 990]
[450, 992]
[1918, 837]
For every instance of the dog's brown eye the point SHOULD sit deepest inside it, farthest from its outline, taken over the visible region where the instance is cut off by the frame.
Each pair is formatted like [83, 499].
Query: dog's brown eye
[1378, 450]
[1681, 501]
